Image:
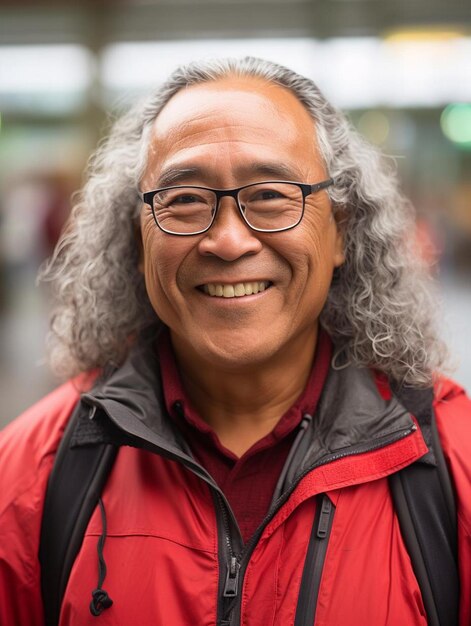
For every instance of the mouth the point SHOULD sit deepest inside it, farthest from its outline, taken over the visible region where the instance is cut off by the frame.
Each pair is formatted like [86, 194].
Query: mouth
[235, 290]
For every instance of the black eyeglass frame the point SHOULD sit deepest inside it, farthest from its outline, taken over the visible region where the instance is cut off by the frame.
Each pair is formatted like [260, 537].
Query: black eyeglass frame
[306, 189]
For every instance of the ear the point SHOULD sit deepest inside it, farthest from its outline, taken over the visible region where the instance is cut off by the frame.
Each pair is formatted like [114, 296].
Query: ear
[339, 248]
[140, 246]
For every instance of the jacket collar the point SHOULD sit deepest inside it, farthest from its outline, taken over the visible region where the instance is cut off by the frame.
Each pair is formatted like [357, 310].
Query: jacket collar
[127, 408]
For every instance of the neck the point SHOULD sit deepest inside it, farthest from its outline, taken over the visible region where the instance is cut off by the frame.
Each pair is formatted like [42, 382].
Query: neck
[244, 404]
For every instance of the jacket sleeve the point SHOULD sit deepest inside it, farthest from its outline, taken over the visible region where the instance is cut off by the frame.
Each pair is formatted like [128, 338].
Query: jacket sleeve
[27, 449]
[453, 412]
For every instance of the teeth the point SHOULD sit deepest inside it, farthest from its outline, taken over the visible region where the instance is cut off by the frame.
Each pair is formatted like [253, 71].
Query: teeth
[235, 291]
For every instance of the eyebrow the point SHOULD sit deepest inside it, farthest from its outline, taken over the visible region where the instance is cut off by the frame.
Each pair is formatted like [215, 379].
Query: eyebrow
[276, 171]
[175, 175]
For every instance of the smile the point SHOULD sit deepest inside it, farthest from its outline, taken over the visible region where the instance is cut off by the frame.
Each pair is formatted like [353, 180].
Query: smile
[236, 290]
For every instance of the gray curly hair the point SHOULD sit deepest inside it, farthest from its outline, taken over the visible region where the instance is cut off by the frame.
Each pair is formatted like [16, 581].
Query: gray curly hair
[379, 311]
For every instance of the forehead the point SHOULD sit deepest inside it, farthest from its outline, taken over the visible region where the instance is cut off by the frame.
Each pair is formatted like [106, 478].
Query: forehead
[234, 117]
[238, 97]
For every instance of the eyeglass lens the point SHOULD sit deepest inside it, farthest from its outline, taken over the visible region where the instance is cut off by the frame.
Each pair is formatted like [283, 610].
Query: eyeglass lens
[265, 206]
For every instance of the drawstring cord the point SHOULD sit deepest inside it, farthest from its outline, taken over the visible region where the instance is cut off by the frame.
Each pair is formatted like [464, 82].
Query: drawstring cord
[287, 466]
[101, 599]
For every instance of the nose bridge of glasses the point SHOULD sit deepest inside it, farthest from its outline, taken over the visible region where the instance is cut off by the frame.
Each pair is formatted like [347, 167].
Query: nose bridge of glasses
[231, 193]
[222, 193]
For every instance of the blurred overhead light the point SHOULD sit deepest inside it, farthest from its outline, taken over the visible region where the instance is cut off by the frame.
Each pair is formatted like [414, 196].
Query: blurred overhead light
[422, 34]
[426, 73]
[38, 68]
[53, 77]
[348, 71]
[354, 72]
[140, 65]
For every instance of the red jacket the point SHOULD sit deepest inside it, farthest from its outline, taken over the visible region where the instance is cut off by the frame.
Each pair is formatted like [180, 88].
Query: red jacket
[171, 542]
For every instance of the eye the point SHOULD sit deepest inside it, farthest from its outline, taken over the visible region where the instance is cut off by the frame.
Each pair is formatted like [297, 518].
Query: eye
[180, 198]
[185, 198]
[266, 194]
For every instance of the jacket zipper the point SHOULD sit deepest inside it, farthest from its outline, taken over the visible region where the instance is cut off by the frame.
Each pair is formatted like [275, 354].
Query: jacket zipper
[229, 567]
[314, 563]
[235, 566]
[231, 610]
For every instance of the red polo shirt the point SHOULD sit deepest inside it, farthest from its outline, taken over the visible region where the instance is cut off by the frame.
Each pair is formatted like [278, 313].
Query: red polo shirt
[248, 482]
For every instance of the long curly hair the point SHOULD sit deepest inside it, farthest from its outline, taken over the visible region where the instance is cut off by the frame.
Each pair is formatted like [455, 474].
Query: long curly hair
[380, 307]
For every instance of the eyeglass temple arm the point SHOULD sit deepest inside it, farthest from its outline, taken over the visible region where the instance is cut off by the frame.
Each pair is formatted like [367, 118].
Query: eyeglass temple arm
[323, 185]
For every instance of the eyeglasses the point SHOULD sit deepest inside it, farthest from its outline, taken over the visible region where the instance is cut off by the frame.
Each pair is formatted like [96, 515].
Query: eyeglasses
[267, 207]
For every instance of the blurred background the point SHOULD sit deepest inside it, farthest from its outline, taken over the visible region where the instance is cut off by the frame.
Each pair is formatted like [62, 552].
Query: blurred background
[402, 71]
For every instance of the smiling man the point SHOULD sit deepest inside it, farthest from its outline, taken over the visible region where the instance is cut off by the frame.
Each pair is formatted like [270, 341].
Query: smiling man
[243, 296]
[258, 417]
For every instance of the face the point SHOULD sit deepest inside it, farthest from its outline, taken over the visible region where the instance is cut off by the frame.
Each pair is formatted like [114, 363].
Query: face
[226, 134]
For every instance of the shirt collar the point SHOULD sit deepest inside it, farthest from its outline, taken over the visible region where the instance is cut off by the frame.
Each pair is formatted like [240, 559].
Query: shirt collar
[174, 392]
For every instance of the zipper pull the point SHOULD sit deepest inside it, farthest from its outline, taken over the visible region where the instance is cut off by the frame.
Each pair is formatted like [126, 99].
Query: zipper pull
[324, 518]
[232, 579]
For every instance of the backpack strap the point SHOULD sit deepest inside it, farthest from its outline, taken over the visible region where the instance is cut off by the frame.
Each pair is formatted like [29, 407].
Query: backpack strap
[75, 484]
[424, 501]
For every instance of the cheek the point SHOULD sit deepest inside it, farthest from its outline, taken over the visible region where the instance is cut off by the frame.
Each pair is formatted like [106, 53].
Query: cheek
[314, 248]
[312, 257]
[156, 265]
[163, 256]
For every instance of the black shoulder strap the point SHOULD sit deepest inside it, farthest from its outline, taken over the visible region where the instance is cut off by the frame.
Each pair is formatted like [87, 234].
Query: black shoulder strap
[75, 484]
[425, 505]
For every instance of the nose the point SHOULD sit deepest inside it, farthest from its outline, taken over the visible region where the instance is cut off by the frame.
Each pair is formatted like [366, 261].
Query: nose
[229, 238]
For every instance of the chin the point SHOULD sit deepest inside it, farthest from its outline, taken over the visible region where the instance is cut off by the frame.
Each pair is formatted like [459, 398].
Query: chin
[237, 350]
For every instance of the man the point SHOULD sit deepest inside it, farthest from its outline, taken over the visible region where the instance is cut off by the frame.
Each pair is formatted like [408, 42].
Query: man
[238, 298]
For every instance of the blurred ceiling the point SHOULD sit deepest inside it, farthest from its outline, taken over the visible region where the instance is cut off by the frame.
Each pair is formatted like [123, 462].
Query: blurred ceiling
[96, 24]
